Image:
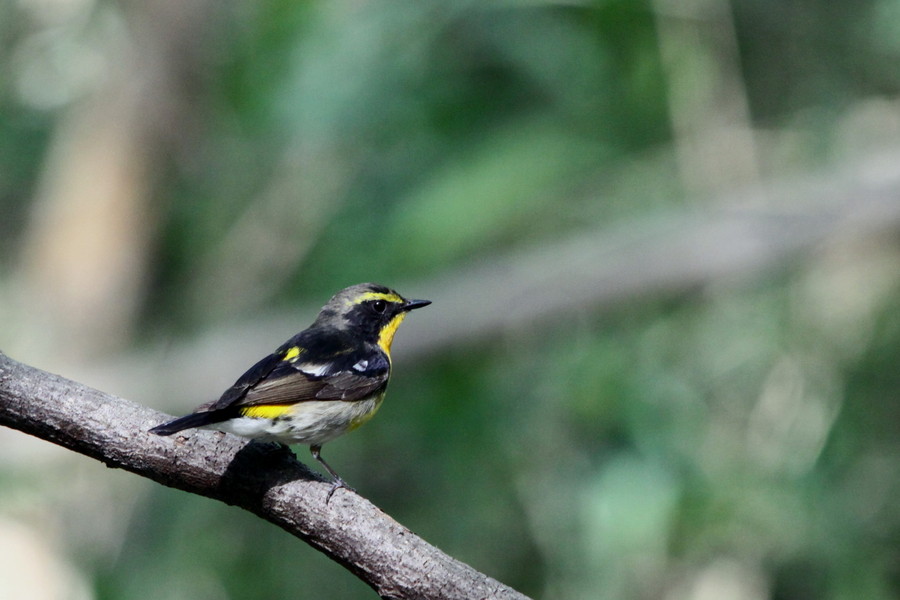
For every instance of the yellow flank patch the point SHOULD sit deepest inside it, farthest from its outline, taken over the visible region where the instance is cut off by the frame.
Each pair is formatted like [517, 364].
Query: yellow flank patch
[386, 336]
[265, 411]
[292, 353]
[378, 296]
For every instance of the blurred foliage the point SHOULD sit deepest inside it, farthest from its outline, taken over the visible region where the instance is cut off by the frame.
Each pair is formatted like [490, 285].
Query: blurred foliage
[736, 440]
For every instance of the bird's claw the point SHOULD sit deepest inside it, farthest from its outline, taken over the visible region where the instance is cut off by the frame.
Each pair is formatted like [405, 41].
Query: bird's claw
[336, 484]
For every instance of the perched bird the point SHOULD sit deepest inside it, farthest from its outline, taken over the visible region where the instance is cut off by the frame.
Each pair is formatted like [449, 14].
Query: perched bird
[323, 382]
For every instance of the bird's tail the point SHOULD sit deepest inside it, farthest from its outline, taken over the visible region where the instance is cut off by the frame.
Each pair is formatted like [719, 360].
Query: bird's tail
[198, 419]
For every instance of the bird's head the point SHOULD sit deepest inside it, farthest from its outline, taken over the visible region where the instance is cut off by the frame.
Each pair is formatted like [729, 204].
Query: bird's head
[370, 310]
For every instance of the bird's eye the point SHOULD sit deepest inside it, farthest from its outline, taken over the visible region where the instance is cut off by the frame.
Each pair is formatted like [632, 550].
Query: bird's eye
[379, 306]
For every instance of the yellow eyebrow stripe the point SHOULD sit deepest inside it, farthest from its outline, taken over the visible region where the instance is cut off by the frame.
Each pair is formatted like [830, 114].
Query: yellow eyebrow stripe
[266, 411]
[378, 296]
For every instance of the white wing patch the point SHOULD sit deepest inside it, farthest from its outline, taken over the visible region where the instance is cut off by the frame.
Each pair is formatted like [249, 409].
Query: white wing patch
[315, 370]
[361, 366]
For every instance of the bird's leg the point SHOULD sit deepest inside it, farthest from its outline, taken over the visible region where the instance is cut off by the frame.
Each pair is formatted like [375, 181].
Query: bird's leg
[336, 481]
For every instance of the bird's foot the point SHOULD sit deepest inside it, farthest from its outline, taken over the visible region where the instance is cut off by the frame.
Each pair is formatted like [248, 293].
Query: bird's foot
[337, 483]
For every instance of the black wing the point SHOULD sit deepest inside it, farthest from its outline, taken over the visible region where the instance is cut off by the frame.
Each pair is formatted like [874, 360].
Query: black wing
[342, 379]
[327, 369]
[316, 364]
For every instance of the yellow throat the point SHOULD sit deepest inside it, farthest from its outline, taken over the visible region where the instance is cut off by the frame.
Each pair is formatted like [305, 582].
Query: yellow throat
[386, 337]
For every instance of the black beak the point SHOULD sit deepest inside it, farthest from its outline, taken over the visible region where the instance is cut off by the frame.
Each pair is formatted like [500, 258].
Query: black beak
[413, 304]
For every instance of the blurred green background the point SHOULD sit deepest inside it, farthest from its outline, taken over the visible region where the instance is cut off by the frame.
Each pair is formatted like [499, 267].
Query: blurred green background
[662, 240]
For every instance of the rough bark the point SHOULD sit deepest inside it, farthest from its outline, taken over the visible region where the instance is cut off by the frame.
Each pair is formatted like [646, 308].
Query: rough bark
[265, 479]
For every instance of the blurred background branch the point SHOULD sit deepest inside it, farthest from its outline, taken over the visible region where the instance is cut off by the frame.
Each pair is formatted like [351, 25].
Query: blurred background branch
[742, 235]
[710, 112]
[96, 193]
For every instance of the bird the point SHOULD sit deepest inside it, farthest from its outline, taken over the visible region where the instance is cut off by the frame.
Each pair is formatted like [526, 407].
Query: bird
[323, 382]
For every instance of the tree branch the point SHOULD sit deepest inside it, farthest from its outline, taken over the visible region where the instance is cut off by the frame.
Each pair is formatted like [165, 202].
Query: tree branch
[265, 479]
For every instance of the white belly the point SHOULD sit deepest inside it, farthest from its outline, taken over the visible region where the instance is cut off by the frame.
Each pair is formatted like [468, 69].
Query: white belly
[315, 422]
